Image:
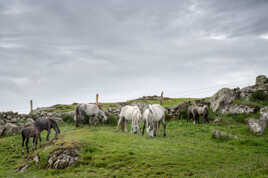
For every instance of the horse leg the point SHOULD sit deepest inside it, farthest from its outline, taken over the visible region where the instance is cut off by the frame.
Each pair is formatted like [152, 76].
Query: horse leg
[27, 144]
[143, 128]
[125, 125]
[22, 145]
[164, 126]
[36, 142]
[95, 121]
[48, 133]
[34, 146]
[158, 126]
[118, 124]
[155, 128]
[40, 139]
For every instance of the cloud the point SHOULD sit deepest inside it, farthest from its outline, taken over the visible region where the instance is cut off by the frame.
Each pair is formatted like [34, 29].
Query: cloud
[64, 51]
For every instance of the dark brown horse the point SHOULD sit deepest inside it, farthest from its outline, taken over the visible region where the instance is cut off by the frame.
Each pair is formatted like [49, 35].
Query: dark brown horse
[35, 130]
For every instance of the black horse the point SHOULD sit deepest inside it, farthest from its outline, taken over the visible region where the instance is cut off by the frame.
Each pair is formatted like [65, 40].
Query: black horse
[47, 124]
[36, 129]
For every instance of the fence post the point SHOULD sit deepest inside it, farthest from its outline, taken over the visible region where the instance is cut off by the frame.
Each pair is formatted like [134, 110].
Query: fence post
[161, 97]
[31, 106]
[97, 99]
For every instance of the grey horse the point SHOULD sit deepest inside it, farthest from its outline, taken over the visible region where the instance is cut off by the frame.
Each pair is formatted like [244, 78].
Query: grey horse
[92, 111]
[195, 111]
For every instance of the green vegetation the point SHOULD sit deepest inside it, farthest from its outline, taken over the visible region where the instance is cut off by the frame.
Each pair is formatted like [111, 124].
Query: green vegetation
[188, 150]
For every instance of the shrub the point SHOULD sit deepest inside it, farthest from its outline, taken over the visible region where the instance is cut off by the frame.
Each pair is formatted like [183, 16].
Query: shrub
[67, 118]
[112, 120]
[258, 96]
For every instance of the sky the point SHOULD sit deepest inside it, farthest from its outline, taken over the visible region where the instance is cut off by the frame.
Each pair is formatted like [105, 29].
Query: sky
[67, 51]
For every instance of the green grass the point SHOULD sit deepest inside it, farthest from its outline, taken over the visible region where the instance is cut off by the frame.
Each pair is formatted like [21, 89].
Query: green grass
[188, 150]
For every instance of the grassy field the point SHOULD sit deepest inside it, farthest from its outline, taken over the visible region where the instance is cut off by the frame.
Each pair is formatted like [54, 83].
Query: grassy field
[188, 150]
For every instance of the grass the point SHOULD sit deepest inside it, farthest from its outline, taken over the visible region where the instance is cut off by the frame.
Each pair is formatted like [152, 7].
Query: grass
[188, 150]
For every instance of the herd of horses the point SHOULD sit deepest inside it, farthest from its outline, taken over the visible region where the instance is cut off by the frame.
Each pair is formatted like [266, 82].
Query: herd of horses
[151, 115]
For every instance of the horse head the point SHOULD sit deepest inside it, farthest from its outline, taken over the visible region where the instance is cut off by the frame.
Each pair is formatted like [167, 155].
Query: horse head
[54, 125]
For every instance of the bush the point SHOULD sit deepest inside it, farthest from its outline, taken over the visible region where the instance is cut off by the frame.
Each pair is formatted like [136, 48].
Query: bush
[67, 118]
[112, 120]
[258, 96]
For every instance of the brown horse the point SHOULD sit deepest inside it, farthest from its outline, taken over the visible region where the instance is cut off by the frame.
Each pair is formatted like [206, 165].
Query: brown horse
[28, 132]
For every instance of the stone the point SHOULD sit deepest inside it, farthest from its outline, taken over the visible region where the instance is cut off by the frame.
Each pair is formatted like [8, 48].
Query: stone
[218, 120]
[223, 97]
[238, 109]
[2, 129]
[264, 113]
[62, 158]
[11, 129]
[29, 122]
[261, 80]
[257, 126]
[23, 168]
[57, 119]
[2, 122]
[221, 134]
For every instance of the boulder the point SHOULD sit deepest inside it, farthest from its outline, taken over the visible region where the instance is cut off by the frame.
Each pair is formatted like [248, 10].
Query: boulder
[223, 97]
[221, 134]
[62, 158]
[2, 129]
[261, 80]
[238, 109]
[264, 113]
[257, 126]
[2, 122]
[218, 120]
[57, 119]
[29, 122]
[11, 129]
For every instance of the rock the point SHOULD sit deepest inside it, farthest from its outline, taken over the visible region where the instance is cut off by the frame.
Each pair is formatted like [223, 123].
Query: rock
[29, 122]
[261, 80]
[23, 168]
[2, 129]
[238, 109]
[257, 126]
[220, 134]
[218, 120]
[264, 113]
[222, 98]
[62, 158]
[2, 122]
[11, 129]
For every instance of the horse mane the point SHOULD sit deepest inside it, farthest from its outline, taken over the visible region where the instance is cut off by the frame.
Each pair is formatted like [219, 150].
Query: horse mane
[150, 108]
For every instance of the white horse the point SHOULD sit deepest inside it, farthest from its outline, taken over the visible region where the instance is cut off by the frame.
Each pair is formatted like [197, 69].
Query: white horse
[90, 110]
[130, 113]
[152, 115]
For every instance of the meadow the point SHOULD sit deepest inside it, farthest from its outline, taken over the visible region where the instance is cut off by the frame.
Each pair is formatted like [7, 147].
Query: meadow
[187, 150]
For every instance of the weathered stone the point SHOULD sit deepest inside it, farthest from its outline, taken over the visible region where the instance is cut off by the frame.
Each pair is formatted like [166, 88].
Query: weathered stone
[57, 119]
[62, 158]
[222, 98]
[218, 120]
[221, 134]
[11, 129]
[2, 122]
[257, 126]
[238, 109]
[23, 168]
[264, 114]
[2, 129]
[261, 80]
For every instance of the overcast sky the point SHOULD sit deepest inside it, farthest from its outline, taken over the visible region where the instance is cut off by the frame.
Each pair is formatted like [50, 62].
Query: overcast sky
[66, 51]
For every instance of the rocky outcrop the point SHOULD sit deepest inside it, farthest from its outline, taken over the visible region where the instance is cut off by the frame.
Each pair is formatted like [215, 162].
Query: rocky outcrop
[257, 126]
[11, 129]
[264, 113]
[238, 109]
[221, 99]
[261, 80]
[62, 158]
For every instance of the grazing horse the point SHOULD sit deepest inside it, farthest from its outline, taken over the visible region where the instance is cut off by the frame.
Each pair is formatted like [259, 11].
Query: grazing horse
[28, 132]
[154, 114]
[194, 112]
[203, 111]
[130, 113]
[47, 124]
[90, 110]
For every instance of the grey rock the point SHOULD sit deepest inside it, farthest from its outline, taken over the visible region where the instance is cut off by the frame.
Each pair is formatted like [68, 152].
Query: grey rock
[62, 158]
[257, 126]
[261, 80]
[11, 129]
[221, 134]
[2, 129]
[237, 109]
[222, 98]
[218, 120]
[264, 114]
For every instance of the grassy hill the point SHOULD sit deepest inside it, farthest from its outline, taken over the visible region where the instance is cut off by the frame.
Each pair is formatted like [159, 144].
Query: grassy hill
[187, 150]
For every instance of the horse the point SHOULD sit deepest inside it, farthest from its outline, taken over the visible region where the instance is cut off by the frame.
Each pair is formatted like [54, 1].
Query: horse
[195, 111]
[92, 111]
[130, 113]
[28, 132]
[203, 111]
[154, 114]
[47, 124]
